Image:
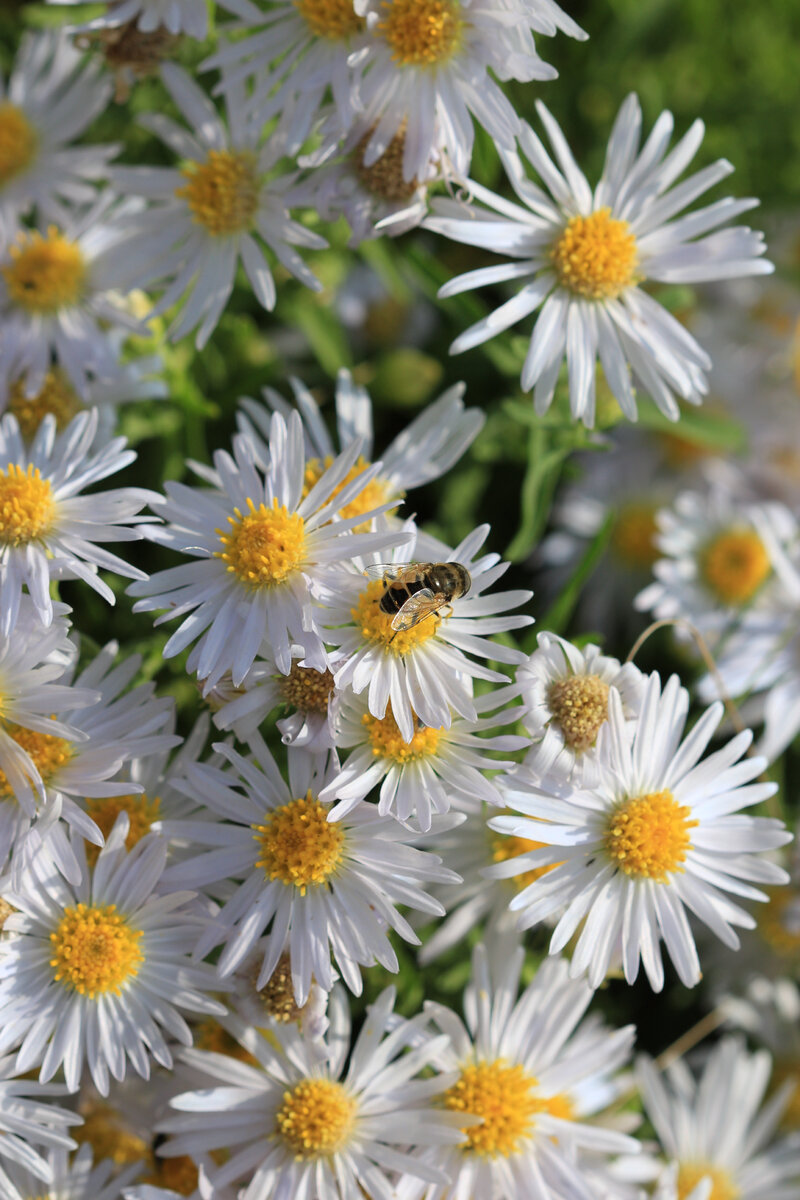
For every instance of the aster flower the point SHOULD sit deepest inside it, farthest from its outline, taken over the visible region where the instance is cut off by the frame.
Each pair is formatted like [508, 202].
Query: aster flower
[60, 296]
[47, 529]
[91, 971]
[565, 691]
[716, 1129]
[534, 1074]
[582, 255]
[220, 207]
[427, 774]
[321, 888]
[297, 54]
[51, 97]
[768, 1010]
[425, 73]
[297, 1123]
[424, 670]
[264, 550]
[424, 451]
[72, 1179]
[721, 559]
[657, 832]
[29, 1124]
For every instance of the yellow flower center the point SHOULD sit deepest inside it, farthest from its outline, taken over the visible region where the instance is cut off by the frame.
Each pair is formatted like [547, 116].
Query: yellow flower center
[47, 752]
[376, 625]
[579, 705]
[104, 810]
[648, 836]
[421, 33]
[316, 1118]
[595, 256]
[782, 938]
[18, 142]
[264, 546]
[95, 950]
[373, 494]
[307, 689]
[507, 846]
[6, 910]
[332, 19]
[46, 274]
[734, 565]
[179, 1174]
[299, 845]
[387, 740]
[505, 1096]
[633, 536]
[222, 193]
[277, 995]
[56, 396]
[384, 178]
[27, 508]
[722, 1186]
[210, 1035]
[106, 1132]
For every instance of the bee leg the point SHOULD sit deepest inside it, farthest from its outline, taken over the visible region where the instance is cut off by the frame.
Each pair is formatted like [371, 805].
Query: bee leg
[445, 611]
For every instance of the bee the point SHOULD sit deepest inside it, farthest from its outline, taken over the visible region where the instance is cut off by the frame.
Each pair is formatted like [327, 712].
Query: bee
[414, 591]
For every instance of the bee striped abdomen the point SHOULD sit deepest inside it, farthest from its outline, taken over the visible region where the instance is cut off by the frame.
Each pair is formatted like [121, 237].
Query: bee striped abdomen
[396, 595]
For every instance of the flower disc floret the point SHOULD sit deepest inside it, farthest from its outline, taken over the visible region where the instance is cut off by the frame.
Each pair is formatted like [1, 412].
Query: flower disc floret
[18, 142]
[222, 193]
[723, 1186]
[387, 741]
[27, 507]
[734, 565]
[648, 836]
[104, 1130]
[579, 705]
[47, 753]
[376, 625]
[298, 845]
[264, 545]
[506, 846]
[46, 274]
[316, 1118]
[104, 810]
[307, 689]
[421, 33]
[504, 1096]
[94, 950]
[372, 497]
[384, 178]
[56, 396]
[331, 19]
[596, 256]
[277, 994]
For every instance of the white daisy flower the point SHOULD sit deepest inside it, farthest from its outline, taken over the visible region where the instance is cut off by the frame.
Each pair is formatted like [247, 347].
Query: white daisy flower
[29, 1125]
[69, 763]
[425, 73]
[721, 559]
[60, 295]
[73, 1178]
[264, 550]
[718, 1134]
[565, 692]
[298, 1124]
[526, 1066]
[322, 888]
[583, 254]
[769, 1011]
[90, 971]
[423, 776]
[657, 832]
[218, 208]
[310, 693]
[53, 94]
[423, 670]
[176, 16]
[425, 450]
[48, 530]
[297, 56]
[136, 380]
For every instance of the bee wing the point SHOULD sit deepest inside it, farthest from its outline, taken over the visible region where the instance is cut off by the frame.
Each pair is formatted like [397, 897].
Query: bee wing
[417, 608]
[388, 570]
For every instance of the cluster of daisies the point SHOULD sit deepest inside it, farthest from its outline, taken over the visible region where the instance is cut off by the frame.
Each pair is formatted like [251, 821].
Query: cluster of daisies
[377, 765]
